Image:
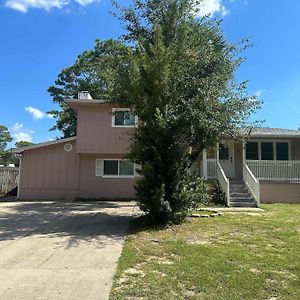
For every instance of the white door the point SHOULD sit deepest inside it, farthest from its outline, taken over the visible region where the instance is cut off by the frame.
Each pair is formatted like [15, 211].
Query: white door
[226, 158]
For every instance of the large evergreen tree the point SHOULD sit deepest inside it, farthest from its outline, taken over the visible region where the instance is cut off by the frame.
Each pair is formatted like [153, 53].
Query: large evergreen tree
[177, 72]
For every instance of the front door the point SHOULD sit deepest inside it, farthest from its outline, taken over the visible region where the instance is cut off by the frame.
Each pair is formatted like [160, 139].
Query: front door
[226, 158]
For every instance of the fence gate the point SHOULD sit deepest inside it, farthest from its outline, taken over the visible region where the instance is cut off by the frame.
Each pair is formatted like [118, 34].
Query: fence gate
[8, 179]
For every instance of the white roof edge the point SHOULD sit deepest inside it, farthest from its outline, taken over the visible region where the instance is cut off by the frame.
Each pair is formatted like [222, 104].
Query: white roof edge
[274, 135]
[45, 144]
[89, 101]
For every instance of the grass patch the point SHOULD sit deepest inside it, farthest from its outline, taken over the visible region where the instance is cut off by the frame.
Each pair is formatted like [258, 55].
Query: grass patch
[235, 256]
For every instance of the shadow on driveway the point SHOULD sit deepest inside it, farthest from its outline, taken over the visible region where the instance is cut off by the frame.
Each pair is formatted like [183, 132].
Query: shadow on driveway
[74, 220]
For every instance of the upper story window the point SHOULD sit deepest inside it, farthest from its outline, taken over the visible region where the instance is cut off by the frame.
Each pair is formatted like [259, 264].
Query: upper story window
[268, 150]
[123, 117]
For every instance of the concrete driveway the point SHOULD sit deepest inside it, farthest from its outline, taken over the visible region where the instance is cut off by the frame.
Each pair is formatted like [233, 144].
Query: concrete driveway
[60, 250]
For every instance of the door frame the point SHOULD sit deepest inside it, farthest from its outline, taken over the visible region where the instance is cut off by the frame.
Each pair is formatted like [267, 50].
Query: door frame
[230, 145]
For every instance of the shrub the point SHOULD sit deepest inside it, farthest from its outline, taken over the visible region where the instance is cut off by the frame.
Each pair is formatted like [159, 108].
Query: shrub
[218, 197]
[195, 192]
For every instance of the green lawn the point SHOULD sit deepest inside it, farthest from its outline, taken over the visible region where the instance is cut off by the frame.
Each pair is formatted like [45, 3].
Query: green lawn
[235, 256]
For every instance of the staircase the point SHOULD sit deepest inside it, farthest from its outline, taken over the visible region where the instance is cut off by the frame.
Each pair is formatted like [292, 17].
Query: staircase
[240, 196]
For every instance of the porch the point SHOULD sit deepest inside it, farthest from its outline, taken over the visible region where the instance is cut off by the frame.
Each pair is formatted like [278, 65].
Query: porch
[286, 171]
[254, 165]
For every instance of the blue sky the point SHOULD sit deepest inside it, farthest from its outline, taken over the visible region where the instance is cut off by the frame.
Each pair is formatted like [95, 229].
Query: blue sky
[40, 37]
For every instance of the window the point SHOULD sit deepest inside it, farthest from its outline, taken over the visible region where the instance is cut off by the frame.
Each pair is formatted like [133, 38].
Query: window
[125, 167]
[267, 151]
[111, 167]
[252, 151]
[223, 152]
[123, 118]
[114, 168]
[282, 151]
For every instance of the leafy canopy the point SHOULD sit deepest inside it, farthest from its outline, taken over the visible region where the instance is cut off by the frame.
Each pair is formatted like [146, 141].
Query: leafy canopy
[21, 144]
[5, 138]
[93, 71]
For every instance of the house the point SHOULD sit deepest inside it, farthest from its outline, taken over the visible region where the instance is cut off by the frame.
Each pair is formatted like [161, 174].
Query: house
[264, 169]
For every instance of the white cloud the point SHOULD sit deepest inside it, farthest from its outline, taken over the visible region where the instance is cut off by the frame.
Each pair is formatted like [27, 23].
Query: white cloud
[37, 114]
[22, 136]
[211, 7]
[84, 2]
[24, 5]
[19, 133]
[258, 93]
[17, 127]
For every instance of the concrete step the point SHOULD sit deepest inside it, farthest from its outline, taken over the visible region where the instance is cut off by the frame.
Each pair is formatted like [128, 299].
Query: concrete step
[242, 204]
[249, 199]
[239, 194]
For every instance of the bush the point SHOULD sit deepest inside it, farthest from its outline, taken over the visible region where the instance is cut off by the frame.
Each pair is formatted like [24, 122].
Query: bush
[218, 197]
[195, 192]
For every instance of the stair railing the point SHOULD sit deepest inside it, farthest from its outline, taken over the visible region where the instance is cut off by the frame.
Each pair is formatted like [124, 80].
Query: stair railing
[252, 183]
[224, 183]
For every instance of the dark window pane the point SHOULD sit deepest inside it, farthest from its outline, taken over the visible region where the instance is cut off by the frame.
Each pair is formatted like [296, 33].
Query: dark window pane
[110, 167]
[129, 118]
[282, 151]
[223, 152]
[267, 151]
[252, 151]
[126, 167]
[119, 118]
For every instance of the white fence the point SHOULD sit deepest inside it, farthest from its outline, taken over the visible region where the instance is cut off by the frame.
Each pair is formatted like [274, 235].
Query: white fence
[275, 170]
[224, 182]
[8, 179]
[252, 183]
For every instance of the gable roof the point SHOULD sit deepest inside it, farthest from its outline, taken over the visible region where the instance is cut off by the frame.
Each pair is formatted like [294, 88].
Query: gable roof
[274, 132]
[20, 150]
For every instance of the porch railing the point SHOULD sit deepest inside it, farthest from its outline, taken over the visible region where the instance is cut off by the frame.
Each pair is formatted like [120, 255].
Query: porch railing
[252, 183]
[275, 170]
[211, 168]
[224, 182]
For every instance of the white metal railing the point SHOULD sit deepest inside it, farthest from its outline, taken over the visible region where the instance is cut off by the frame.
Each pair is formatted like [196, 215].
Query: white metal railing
[275, 170]
[224, 182]
[211, 168]
[252, 183]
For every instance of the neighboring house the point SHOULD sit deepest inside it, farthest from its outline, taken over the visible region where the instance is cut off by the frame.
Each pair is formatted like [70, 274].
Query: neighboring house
[92, 164]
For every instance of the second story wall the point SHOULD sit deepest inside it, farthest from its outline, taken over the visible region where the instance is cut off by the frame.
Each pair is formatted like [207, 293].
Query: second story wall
[95, 133]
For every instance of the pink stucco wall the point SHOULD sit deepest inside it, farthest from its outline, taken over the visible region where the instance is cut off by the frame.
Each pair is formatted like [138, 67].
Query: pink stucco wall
[95, 133]
[49, 172]
[92, 186]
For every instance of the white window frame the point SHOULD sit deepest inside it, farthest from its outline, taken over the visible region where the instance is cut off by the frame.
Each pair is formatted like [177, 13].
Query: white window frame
[99, 169]
[113, 119]
[274, 141]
